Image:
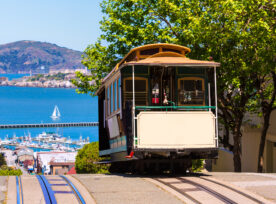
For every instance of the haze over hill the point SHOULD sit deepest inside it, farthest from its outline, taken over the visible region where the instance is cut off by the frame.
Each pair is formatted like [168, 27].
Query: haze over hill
[25, 56]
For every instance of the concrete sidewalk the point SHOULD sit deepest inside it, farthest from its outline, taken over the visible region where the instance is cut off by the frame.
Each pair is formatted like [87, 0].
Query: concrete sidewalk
[3, 187]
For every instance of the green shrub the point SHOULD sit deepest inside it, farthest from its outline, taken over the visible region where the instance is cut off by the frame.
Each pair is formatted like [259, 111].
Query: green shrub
[86, 160]
[8, 171]
[197, 165]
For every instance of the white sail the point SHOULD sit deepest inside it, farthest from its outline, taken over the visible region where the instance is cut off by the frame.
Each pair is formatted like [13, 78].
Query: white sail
[57, 111]
[56, 114]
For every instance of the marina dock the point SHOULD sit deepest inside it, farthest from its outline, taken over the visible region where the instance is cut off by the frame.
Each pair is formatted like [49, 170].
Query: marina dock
[17, 145]
[48, 125]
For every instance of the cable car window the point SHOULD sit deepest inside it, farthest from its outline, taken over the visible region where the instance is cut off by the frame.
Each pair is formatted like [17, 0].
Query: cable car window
[140, 85]
[141, 90]
[119, 93]
[115, 95]
[191, 91]
[149, 51]
[111, 98]
[108, 101]
[171, 50]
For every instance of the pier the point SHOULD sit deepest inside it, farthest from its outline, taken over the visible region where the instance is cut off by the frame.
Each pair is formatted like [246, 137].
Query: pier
[48, 125]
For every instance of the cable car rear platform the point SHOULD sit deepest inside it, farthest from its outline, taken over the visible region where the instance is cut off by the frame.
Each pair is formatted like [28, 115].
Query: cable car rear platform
[192, 152]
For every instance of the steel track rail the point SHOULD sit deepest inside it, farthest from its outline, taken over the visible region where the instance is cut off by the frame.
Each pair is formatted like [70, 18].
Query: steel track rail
[74, 189]
[210, 191]
[21, 189]
[49, 196]
[44, 190]
[235, 190]
[17, 191]
[178, 190]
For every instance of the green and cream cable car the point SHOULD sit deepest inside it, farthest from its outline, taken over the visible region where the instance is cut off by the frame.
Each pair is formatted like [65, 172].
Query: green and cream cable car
[158, 107]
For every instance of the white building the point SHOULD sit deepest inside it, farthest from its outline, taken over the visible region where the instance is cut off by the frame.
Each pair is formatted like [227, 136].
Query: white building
[44, 159]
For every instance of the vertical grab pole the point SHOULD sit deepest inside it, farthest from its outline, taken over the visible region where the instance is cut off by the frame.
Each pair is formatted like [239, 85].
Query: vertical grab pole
[209, 96]
[216, 102]
[133, 107]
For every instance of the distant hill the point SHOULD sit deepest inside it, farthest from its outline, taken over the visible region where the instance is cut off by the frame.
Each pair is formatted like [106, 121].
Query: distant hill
[23, 56]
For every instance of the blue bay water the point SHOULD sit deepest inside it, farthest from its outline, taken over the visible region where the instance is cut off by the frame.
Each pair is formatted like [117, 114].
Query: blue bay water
[24, 105]
[13, 76]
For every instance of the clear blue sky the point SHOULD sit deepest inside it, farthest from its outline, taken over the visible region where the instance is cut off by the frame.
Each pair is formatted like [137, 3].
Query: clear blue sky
[69, 23]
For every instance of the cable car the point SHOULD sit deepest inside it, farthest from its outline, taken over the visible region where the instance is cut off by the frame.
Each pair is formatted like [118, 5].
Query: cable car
[158, 109]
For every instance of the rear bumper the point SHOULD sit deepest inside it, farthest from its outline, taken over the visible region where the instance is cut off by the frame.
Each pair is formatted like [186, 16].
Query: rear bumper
[174, 149]
[193, 153]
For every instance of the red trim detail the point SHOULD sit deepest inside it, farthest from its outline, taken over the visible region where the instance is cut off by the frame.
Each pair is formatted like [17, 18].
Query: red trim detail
[130, 155]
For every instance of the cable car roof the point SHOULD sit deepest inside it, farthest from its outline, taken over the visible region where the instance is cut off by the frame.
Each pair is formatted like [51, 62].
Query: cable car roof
[171, 59]
[145, 51]
[165, 55]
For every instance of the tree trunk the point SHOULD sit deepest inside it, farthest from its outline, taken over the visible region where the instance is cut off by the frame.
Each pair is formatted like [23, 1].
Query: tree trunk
[237, 146]
[262, 141]
[267, 109]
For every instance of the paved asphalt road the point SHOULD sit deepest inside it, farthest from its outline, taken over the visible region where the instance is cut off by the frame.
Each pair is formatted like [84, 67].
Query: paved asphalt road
[125, 189]
[128, 189]
[261, 184]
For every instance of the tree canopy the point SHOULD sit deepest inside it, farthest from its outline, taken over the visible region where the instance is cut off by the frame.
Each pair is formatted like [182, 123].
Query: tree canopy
[86, 160]
[238, 34]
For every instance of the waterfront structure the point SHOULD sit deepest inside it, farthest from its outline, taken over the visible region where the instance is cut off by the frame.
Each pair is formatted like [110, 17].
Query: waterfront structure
[46, 125]
[44, 160]
[25, 154]
[72, 171]
[9, 157]
[60, 167]
[68, 71]
[3, 79]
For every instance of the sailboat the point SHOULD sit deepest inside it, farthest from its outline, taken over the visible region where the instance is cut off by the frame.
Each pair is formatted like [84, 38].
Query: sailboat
[56, 113]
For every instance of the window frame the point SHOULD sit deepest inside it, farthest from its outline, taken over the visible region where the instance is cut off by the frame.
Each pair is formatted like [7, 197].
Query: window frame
[111, 90]
[119, 93]
[108, 100]
[115, 95]
[191, 78]
[136, 78]
[111, 98]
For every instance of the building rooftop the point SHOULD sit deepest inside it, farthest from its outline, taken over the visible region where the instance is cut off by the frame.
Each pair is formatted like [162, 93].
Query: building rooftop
[25, 151]
[46, 158]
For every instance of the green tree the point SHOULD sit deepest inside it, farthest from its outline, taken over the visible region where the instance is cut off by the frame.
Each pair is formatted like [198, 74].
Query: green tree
[7, 171]
[86, 160]
[266, 101]
[2, 160]
[99, 60]
[234, 33]
[248, 63]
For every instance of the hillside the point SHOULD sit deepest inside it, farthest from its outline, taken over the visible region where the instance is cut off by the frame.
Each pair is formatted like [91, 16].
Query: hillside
[23, 56]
